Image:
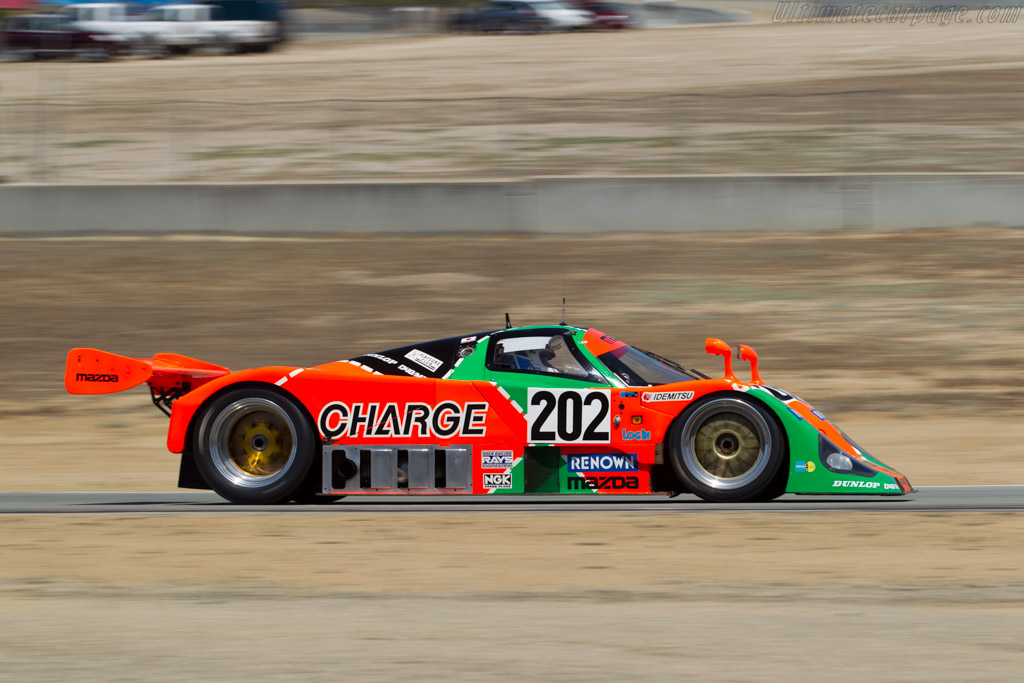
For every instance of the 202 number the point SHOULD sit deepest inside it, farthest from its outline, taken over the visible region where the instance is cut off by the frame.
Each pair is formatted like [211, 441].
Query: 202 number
[569, 416]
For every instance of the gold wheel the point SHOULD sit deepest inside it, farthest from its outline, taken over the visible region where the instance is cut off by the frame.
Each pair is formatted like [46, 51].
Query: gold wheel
[253, 442]
[259, 443]
[727, 445]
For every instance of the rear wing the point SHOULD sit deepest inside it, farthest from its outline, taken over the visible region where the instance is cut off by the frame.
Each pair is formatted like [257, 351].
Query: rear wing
[169, 375]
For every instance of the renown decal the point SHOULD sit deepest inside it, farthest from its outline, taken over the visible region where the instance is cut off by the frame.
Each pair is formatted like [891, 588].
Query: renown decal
[496, 460]
[445, 420]
[603, 483]
[603, 462]
[89, 377]
[651, 396]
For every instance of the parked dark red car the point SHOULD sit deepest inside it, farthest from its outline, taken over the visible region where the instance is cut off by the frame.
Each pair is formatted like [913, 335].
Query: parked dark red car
[35, 36]
[606, 15]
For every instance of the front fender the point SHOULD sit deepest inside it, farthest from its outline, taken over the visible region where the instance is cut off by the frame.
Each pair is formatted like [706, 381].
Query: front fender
[805, 428]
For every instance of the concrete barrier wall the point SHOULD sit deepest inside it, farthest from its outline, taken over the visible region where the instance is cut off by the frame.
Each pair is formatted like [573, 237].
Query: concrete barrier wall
[544, 205]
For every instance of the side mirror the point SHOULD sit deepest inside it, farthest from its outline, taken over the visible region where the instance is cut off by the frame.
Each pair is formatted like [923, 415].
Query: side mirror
[749, 354]
[500, 359]
[717, 347]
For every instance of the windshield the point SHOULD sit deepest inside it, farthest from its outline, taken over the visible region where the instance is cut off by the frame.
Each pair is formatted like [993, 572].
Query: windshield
[638, 368]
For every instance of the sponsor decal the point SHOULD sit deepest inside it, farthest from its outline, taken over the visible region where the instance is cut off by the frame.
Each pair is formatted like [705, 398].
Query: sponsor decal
[603, 462]
[389, 361]
[783, 396]
[641, 435]
[498, 481]
[424, 359]
[839, 483]
[409, 371]
[603, 483]
[892, 487]
[496, 460]
[569, 415]
[445, 420]
[466, 340]
[627, 394]
[804, 466]
[89, 377]
[651, 396]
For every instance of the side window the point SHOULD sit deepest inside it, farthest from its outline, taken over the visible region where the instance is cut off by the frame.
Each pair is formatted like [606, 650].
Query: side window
[553, 354]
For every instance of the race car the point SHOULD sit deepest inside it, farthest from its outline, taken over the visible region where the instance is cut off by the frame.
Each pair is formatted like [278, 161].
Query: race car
[551, 409]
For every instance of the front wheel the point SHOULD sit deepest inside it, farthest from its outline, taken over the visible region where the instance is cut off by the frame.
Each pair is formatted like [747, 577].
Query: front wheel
[727, 449]
[254, 446]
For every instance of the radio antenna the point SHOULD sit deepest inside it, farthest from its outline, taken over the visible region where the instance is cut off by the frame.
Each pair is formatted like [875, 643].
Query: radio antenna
[563, 297]
[508, 322]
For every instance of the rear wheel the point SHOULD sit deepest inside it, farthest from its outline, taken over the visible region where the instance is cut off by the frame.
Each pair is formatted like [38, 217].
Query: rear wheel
[727, 449]
[254, 446]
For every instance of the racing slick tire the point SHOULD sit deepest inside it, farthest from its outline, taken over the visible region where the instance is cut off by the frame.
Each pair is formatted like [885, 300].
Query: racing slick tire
[726, 449]
[254, 446]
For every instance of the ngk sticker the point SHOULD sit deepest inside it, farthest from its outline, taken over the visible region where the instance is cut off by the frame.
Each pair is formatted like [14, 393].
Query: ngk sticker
[498, 481]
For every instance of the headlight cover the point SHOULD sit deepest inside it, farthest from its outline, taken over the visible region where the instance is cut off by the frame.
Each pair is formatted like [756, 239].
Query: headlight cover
[835, 459]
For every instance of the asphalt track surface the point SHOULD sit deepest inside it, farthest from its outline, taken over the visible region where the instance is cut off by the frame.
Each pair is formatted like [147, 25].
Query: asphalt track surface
[926, 499]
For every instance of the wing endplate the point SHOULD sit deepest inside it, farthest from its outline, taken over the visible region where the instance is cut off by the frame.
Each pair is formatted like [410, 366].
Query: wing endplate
[91, 371]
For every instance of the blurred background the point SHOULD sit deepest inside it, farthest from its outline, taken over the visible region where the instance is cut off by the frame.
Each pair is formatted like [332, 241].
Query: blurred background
[340, 92]
[192, 96]
[844, 194]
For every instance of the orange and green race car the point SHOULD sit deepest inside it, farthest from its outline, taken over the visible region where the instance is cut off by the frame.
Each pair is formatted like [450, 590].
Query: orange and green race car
[544, 409]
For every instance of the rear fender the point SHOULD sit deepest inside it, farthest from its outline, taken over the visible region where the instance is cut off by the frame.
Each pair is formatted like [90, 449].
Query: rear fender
[188, 406]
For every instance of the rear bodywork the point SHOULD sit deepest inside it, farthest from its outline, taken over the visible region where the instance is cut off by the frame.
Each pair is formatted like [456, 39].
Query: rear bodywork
[445, 417]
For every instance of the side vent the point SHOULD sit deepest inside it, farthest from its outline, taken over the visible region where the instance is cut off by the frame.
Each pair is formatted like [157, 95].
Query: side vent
[458, 468]
[383, 468]
[420, 470]
[416, 469]
[341, 469]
